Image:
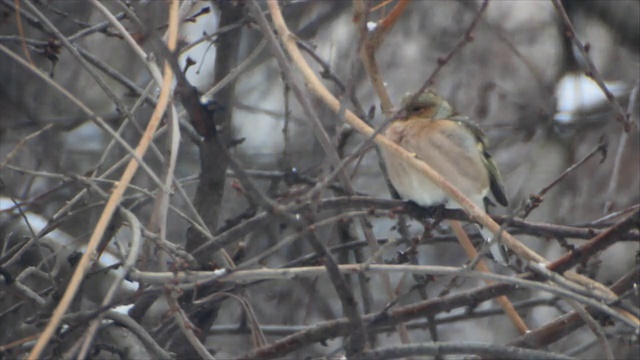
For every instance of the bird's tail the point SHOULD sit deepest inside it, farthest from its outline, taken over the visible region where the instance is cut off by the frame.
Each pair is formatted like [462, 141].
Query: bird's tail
[497, 250]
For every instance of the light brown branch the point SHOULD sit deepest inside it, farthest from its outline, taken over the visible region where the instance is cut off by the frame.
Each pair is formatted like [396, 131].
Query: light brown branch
[472, 254]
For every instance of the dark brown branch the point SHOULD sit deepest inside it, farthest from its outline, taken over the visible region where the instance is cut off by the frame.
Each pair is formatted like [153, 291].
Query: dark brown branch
[357, 340]
[566, 324]
[598, 243]
[332, 329]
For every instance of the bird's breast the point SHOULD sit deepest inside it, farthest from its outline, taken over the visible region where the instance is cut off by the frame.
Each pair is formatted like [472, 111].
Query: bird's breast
[412, 185]
[448, 154]
[408, 181]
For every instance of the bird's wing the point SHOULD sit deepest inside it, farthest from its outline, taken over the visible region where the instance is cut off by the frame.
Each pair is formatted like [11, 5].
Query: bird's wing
[495, 181]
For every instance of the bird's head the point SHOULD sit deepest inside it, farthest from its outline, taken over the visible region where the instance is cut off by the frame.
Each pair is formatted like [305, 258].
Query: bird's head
[428, 105]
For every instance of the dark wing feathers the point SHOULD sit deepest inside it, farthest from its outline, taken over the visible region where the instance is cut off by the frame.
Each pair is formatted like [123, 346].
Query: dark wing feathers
[495, 182]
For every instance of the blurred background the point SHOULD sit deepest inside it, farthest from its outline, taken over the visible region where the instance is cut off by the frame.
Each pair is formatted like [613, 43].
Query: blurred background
[520, 79]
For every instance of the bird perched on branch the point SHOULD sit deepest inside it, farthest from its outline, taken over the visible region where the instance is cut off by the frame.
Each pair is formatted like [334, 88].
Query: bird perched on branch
[453, 146]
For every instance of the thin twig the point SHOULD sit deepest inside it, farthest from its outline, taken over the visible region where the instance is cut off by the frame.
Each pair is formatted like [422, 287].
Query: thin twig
[442, 61]
[140, 332]
[357, 341]
[99, 27]
[153, 68]
[235, 72]
[622, 145]
[597, 331]
[328, 73]
[288, 240]
[186, 326]
[22, 142]
[535, 200]
[592, 71]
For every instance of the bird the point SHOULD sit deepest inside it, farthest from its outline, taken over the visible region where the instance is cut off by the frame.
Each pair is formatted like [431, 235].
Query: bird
[451, 144]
